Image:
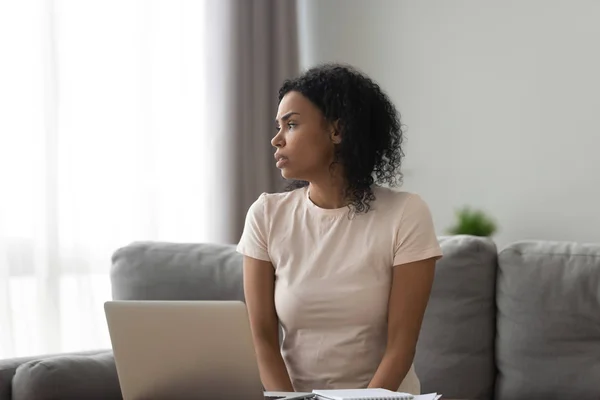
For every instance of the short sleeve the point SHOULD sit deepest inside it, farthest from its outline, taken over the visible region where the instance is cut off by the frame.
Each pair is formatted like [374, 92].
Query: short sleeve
[253, 242]
[416, 238]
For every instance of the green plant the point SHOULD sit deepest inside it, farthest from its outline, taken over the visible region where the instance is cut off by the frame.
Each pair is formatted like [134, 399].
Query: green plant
[473, 222]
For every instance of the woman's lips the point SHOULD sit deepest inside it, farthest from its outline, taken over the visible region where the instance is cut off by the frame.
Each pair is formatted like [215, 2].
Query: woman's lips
[281, 160]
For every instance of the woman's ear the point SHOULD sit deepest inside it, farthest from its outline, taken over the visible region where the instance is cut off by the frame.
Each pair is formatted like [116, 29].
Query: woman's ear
[335, 132]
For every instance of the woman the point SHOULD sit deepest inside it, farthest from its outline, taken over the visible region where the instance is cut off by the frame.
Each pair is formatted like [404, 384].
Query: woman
[343, 264]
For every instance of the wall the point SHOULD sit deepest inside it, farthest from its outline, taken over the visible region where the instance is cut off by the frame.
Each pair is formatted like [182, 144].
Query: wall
[500, 102]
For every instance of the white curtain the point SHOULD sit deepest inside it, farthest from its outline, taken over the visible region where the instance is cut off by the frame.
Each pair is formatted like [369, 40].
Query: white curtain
[105, 138]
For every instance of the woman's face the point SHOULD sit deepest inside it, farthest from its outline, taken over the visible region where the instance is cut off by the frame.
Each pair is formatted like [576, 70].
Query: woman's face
[304, 141]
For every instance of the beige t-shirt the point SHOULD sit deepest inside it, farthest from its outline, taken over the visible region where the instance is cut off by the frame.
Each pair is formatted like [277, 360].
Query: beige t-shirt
[333, 278]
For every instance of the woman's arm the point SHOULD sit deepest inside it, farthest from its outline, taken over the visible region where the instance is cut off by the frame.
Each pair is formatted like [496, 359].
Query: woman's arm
[259, 290]
[411, 286]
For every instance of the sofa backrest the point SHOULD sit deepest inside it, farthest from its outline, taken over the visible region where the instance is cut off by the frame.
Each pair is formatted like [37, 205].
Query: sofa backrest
[173, 271]
[548, 321]
[455, 352]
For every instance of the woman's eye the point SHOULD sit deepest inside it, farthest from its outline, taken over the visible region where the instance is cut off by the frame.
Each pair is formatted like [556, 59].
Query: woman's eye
[290, 126]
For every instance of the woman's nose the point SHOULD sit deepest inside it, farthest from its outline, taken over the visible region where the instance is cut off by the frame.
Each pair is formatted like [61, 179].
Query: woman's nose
[277, 141]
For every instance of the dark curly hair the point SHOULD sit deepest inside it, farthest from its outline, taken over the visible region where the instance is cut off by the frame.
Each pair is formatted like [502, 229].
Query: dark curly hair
[372, 136]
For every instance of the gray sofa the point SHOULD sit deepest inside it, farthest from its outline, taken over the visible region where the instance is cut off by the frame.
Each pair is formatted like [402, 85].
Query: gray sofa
[522, 323]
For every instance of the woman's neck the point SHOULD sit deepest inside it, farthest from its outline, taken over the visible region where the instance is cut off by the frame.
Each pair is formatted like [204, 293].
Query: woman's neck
[329, 193]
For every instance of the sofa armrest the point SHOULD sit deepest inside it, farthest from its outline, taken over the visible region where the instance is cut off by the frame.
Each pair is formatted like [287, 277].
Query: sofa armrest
[8, 368]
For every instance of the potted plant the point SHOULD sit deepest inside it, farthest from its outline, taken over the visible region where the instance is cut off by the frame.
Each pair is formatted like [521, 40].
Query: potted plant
[473, 222]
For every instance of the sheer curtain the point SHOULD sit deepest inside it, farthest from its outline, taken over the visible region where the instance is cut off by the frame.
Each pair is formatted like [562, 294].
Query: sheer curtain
[108, 135]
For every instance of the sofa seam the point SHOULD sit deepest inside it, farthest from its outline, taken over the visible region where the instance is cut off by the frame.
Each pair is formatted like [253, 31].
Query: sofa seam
[549, 253]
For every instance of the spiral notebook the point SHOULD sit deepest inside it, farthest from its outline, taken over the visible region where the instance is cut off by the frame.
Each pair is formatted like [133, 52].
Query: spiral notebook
[362, 394]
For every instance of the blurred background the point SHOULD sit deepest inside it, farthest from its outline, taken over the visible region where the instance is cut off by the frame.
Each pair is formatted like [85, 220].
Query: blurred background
[150, 120]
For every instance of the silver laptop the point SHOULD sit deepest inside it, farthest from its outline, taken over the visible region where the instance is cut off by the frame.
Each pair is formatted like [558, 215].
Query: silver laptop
[185, 350]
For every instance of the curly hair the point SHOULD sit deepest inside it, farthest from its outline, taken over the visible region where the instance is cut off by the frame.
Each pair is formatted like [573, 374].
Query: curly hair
[371, 146]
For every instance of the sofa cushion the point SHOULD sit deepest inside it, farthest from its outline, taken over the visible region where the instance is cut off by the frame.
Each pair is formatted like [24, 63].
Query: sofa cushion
[455, 352]
[67, 377]
[8, 367]
[548, 298]
[173, 271]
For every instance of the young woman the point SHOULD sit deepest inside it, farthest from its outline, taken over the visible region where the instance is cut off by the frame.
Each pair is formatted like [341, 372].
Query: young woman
[342, 263]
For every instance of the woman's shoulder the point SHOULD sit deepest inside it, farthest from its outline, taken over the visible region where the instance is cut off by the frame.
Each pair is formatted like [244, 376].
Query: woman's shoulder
[266, 205]
[398, 203]
[401, 206]
[392, 197]
[270, 200]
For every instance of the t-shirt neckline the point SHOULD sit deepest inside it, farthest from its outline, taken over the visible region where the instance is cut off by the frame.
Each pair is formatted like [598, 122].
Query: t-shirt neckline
[323, 211]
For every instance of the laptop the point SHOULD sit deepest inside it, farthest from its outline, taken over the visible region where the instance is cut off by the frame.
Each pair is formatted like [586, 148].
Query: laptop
[186, 350]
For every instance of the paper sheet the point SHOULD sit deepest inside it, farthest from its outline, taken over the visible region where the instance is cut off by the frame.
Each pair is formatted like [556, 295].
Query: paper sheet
[429, 396]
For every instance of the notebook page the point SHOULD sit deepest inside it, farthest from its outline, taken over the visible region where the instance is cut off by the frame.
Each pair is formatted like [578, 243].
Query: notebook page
[362, 394]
